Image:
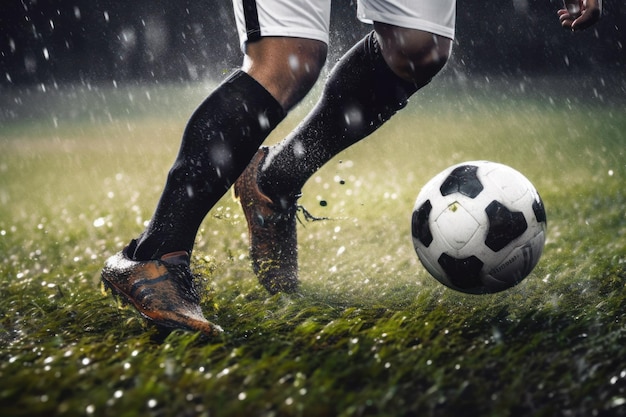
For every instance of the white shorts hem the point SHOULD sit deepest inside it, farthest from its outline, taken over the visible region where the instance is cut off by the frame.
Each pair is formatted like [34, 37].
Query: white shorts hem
[269, 31]
[411, 23]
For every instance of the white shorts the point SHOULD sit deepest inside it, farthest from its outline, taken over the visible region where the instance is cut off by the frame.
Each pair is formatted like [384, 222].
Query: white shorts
[310, 19]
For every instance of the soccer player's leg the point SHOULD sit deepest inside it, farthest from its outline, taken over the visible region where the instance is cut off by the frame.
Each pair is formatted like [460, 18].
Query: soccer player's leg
[368, 85]
[221, 137]
[286, 47]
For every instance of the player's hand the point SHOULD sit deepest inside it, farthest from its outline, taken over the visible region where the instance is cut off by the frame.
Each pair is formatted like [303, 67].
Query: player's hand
[580, 14]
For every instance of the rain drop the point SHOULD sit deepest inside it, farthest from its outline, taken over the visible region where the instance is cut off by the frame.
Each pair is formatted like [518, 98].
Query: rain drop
[298, 149]
[264, 122]
[294, 62]
[618, 401]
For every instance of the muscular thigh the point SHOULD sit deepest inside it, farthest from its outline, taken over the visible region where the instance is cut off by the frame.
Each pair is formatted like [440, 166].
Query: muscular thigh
[308, 19]
[434, 16]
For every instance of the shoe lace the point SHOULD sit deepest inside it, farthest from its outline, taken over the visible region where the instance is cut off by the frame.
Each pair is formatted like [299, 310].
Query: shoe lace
[307, 215]
[294, 209]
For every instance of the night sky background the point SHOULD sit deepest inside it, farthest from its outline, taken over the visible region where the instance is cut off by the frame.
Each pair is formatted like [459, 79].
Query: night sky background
[69, 41]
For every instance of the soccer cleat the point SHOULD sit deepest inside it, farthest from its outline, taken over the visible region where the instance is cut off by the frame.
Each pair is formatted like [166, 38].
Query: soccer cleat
[162, 290]
[271, 230]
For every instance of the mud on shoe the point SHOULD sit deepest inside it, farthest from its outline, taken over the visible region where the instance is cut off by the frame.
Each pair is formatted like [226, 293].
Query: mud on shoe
[162, 290]
[271, 231]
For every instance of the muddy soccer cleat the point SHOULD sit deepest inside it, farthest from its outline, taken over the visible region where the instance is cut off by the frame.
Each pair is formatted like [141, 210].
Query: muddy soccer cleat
[271, 231]
[161, 290]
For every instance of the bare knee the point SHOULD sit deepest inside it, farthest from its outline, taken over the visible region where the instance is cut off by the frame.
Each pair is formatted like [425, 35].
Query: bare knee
[287, 67]
[413, 55]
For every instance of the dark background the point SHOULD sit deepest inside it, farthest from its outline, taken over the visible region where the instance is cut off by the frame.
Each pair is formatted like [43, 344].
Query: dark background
[67, 41]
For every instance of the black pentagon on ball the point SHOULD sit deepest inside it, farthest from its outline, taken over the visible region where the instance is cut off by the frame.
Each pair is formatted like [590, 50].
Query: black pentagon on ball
[504, 226]
[463, 273]
[539, 210]
[464, 180]
[420, 229]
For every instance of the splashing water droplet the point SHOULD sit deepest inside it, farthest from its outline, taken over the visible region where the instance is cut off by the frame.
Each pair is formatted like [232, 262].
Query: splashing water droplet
[294, 62]
[298, 149]
[264, 122]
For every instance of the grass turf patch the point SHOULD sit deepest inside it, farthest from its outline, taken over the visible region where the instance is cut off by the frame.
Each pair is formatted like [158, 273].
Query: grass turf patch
[371, 333]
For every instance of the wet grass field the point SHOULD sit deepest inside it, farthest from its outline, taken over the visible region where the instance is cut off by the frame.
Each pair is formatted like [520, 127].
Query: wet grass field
[81, 169]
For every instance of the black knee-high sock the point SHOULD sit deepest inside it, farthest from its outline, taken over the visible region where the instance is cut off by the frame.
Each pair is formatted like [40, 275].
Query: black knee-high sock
[219, 141]
[360, 94]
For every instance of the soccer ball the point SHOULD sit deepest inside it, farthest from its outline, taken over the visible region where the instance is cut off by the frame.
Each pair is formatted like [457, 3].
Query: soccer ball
[479, 227]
